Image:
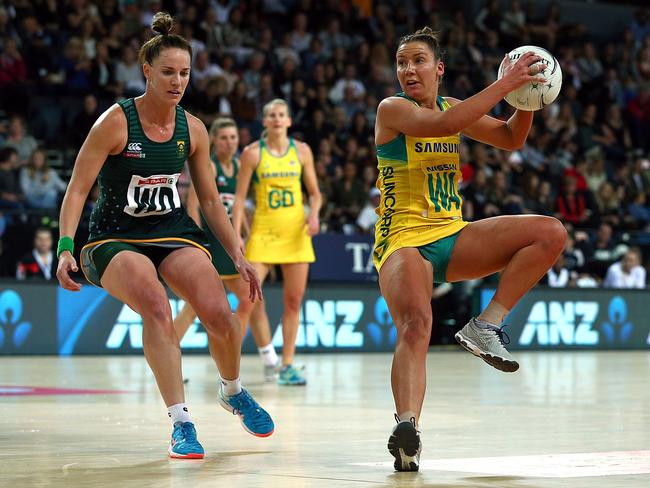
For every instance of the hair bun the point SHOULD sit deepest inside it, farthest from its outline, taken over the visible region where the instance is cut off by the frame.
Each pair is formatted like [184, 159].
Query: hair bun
[162, 23]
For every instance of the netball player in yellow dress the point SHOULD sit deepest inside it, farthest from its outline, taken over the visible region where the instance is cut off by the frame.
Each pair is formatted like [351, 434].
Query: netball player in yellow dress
[421, 237]
[281, 233]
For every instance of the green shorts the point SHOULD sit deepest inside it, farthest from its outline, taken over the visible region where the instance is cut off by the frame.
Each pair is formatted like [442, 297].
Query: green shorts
[95, 259]
[220, 258]
[438, 253]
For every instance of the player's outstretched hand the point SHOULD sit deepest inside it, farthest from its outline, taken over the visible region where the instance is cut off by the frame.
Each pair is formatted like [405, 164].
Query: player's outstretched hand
[249, 275]
[67, 263]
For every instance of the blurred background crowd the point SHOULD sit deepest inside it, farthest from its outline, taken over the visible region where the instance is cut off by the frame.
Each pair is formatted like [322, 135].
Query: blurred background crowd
[62, 62]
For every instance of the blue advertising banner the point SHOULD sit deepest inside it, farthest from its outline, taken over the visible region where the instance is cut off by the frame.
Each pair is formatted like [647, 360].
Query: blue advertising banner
[343, 258]
[554, 318]
[45, 319]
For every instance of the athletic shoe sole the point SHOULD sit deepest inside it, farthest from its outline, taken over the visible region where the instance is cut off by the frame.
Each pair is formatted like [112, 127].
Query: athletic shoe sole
[497, 362]
[403, 445]
[194, 455]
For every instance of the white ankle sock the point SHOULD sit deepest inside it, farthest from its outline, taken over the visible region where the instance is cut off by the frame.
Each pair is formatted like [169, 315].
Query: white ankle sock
[178, 413]
[406, 416]
[268, 354]
[231, 387]
[493, 314]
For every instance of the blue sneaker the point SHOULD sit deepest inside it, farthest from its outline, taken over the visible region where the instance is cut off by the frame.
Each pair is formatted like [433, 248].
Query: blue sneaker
[184, 444]
[291, 376]
[254, 418]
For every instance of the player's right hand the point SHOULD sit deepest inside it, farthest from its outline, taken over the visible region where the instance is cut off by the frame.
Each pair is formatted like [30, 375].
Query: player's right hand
[524, 70]
[67, 263]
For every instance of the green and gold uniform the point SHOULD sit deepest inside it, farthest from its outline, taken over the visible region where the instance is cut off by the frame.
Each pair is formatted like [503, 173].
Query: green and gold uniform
[420, 204]
[139, 208]
[227, 186]
[279, 233]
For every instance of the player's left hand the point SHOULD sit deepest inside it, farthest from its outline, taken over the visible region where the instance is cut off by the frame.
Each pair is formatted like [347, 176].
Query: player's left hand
[313, 224]
[249, 275]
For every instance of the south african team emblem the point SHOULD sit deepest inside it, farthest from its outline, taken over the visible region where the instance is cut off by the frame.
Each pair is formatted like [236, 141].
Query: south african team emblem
[180, 148]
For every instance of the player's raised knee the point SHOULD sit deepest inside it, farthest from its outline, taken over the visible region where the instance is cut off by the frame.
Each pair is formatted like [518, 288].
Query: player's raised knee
[553, 235]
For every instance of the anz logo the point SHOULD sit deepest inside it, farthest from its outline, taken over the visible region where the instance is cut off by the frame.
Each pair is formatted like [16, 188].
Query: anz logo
[328, 323]
[13, 330]
[127, 330]
[574, 323]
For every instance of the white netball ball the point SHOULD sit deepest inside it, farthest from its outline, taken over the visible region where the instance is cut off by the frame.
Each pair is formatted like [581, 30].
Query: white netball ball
[534, 95]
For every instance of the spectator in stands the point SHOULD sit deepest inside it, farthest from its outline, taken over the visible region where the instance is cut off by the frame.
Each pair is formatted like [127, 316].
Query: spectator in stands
[13, 71]
[368, 216]
[102, 72]
[40, 184]
[639, 211]
[604, 250]
[626, 273]
[573, 206]
[11, 197]
[128, 73]
[348, 85]
[204, 70]
[84, 120]
[558, 276]
[41, 262]
[19, 139]
[348, 197]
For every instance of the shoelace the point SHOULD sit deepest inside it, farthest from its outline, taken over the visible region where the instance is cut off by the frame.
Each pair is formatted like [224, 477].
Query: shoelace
[244, 402]
[504, 338]
[398, 420]
[189, 433]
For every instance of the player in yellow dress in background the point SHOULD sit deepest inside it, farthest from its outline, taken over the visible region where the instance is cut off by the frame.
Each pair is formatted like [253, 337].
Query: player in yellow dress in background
[421, 237]
[281, 233]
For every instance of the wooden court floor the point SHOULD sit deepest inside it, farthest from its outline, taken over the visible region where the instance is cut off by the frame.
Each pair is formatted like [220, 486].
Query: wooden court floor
[566, 419]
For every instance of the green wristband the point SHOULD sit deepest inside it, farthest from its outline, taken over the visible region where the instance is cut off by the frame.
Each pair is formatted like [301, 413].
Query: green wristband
[65, 244]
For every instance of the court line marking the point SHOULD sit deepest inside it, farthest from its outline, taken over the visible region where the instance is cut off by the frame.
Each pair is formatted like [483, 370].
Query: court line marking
[570, 465]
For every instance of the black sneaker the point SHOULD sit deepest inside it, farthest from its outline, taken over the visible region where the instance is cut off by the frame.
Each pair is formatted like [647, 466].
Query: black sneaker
[405, 446]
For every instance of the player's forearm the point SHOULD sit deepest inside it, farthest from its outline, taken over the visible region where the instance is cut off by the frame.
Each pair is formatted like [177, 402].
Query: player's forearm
[73, 204]
[465, 113]
[315, 203]
[519, 126]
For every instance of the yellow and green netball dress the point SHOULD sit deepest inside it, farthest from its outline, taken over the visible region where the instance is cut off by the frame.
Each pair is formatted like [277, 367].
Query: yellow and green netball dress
[139, 208]
[279, 234]
[226, 186]
[420, 204]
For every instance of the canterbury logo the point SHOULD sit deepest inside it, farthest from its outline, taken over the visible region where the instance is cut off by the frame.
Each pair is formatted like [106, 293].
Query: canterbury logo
[134, 146]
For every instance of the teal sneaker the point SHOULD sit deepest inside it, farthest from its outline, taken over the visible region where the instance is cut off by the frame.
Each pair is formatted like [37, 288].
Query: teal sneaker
[254, 418]
[292, 376]
[184, 444]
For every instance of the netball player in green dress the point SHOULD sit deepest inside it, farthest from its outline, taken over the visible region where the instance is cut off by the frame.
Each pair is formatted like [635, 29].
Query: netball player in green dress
[140, 234]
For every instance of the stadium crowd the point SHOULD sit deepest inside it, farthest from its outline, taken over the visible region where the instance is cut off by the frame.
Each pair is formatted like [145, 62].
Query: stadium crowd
[63, 62]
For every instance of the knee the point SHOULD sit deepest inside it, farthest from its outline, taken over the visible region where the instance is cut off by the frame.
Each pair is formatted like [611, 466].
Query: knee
[218, 320]
[156, 313]
[414, 328]
[292, 302]
[553, 236]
